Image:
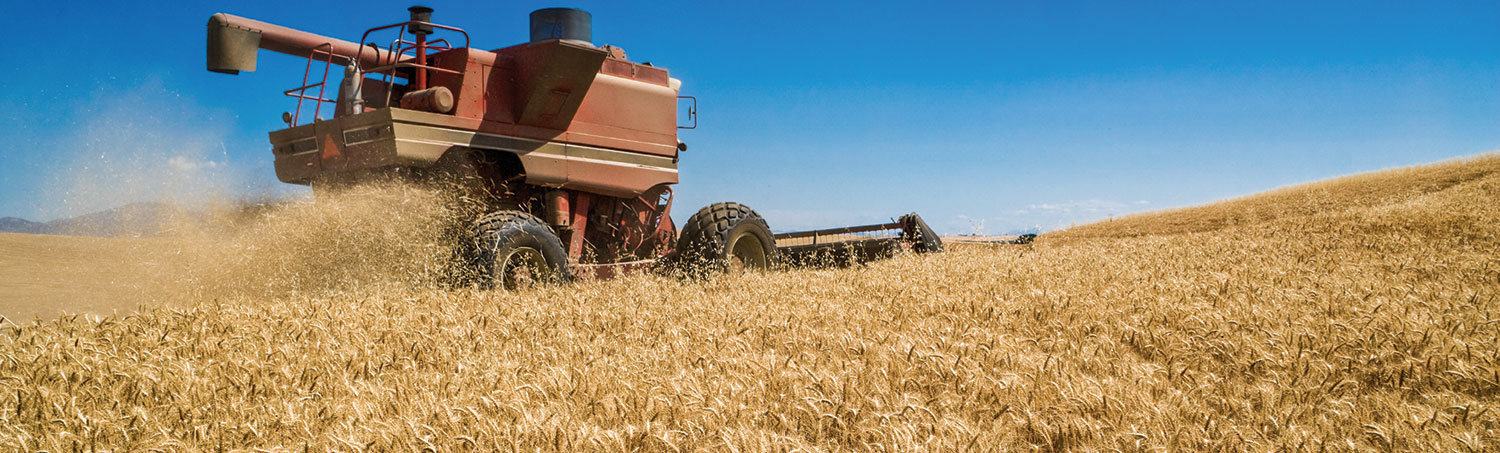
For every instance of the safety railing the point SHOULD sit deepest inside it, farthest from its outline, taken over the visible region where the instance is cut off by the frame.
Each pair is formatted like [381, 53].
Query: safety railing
[326, 50]
[400, 47]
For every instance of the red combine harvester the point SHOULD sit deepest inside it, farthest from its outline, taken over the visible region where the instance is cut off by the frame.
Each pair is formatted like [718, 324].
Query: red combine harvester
[572, 147]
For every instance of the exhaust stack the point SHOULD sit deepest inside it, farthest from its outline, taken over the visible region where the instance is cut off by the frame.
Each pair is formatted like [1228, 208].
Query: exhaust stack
[568, 24]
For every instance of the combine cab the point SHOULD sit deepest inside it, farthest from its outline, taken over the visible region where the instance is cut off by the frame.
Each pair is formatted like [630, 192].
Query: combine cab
[571, 147]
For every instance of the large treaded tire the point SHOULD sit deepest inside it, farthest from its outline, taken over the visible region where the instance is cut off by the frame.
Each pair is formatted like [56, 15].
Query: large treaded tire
[709, 239]
[501, 238]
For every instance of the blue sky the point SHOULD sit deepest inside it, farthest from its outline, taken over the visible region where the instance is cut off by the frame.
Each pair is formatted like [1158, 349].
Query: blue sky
[990, 115]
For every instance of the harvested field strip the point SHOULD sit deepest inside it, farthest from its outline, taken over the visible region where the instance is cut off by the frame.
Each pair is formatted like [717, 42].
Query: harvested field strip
[42, 276]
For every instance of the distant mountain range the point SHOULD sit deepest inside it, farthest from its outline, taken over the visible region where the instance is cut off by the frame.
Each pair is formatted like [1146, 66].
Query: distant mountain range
[15, 225]
[132, 220]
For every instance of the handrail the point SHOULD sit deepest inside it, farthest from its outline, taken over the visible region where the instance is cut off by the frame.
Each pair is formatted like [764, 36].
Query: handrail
[366, 37]
[398, 49]
[322, 85]
[431, 45]
[414, 65]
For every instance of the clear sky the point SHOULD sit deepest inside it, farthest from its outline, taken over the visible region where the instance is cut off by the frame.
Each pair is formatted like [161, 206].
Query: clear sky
[992, 115]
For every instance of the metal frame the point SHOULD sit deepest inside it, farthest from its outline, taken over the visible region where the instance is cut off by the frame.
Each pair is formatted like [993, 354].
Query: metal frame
[844, 231]
[400, 46]
[325, 49]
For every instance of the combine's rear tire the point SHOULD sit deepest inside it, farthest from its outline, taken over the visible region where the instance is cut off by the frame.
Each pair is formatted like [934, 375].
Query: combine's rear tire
[726, 237]
[516, 250]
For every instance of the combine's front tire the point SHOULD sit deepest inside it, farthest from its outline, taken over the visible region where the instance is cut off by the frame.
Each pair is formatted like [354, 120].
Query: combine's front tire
[514, 250]
[726, 237]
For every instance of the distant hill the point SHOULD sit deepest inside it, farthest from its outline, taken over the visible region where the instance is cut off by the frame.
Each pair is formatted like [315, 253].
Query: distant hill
[132, 220]
[1364, 191]
[16, 225]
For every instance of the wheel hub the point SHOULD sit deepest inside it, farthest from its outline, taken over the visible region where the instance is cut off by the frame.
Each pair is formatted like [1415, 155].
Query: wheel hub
[746, 252]
[523, 268]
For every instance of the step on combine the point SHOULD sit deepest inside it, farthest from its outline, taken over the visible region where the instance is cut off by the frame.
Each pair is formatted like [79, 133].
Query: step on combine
[573, 147]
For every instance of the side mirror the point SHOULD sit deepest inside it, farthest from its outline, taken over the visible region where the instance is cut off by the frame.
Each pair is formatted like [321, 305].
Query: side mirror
[692, 111]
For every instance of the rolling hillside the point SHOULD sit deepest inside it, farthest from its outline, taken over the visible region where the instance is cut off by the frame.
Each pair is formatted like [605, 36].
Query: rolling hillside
[131, 220]
[1447, 182]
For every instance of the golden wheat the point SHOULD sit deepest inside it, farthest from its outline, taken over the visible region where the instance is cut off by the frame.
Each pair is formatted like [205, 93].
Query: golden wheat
[1328, 319]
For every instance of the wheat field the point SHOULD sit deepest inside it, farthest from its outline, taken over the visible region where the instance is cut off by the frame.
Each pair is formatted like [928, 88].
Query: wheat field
[1358, 313]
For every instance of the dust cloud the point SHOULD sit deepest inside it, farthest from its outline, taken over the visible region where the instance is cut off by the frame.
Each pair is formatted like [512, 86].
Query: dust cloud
[142, 144]
[216, 236]
[378, 233]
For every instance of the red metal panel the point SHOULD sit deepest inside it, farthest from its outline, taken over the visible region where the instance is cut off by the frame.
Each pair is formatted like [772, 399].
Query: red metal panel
[612, 179]
[620, 105]
[468, 85]
[633, 112]
[626, 112]
[498, 106]
[640, 72]
[551, 80]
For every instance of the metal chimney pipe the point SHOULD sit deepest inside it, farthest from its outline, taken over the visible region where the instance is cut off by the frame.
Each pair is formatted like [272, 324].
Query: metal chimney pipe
[421, 14]
[570, 24]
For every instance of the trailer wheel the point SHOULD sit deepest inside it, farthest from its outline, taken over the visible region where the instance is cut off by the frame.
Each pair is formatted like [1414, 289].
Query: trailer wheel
[726, 237]
[516, 250]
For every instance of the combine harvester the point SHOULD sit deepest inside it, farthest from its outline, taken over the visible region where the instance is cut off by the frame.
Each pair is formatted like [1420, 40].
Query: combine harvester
[572, 148]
